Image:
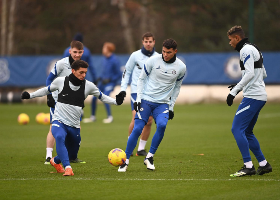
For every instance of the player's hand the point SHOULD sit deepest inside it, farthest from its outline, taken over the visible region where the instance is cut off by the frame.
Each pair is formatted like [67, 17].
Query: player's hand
[50, 101]
[230, 99]
[171, 115]
[25, 95]
[231, 87]
[120, 97]
[137, 106]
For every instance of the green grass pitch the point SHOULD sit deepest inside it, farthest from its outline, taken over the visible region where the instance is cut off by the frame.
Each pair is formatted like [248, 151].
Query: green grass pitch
[182, 172]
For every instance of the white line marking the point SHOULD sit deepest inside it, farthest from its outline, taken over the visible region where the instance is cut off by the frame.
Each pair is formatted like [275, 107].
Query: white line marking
[136, 179]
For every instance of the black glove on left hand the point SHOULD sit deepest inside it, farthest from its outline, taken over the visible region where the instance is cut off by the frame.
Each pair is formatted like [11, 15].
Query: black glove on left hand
[50, 101]
[25, 95]
[137, 106]
[230, 99]
[171, 114]
[120, 97]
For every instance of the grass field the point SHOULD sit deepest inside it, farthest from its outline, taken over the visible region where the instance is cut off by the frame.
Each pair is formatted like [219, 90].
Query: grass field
[181, 172]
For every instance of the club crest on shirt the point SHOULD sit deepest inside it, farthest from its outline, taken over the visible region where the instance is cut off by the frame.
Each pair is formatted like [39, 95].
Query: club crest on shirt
[173, 72]
[141, 109]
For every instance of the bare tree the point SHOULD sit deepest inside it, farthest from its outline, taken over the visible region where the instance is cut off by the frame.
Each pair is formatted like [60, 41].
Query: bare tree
[3, 27]
[125, 24]
[11, 27]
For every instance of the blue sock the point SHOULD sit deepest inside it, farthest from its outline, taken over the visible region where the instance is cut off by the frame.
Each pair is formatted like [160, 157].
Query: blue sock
[133, 138]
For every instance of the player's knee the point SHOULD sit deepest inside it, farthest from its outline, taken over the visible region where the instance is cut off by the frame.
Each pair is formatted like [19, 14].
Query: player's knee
[161, 125]
[235, 130]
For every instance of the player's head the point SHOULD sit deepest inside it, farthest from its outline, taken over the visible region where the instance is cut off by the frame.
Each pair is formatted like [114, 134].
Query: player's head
[169, 49]
[79, 69]
[77, 49]
[108, 49]
[235, 35]
[148, 41]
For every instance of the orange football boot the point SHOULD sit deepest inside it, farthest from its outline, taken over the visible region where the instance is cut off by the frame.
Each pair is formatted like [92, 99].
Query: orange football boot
[58, 167]
[68, 172]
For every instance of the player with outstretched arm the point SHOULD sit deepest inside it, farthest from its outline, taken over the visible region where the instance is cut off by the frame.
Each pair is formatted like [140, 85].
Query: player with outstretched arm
[72, 92]
[157, 90]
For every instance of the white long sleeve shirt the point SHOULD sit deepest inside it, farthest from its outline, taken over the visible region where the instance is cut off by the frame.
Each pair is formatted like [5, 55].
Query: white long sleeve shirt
[252, 82]
[133, 66]
[160, 82]
[66, 113]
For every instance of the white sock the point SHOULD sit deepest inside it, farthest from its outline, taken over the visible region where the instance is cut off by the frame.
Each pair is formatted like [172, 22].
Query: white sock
[248, 164]
[262, 163]
[149, 155]
[142, 144]
[49, 152]
[127, 161]
[68, 166]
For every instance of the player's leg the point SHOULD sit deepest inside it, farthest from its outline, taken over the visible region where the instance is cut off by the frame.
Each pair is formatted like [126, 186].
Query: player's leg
[50, 141]
[141, 118]
[144, 138]
[146, 131]
[241, 121]
[59, 132]
[108, 88]
[264, 166]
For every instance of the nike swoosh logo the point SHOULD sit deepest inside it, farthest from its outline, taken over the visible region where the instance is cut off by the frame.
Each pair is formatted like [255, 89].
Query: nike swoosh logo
[64, 95]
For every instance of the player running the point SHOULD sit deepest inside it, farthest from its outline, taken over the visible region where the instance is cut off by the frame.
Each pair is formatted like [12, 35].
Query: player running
[157, 90]
[133, 68]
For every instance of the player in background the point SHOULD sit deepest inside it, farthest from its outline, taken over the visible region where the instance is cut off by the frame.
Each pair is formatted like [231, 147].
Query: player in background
[107, 81]
[133, 68]
[61, 68]
[157, 90]
[72, 91]
[254, 98]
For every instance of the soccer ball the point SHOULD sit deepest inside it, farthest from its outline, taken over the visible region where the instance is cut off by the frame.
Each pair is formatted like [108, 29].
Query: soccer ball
[116, 157]
[46, 118]
[40, 118]
[23, 118]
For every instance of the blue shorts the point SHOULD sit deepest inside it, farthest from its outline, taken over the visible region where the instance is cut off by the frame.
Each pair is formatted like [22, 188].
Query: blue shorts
[149, 108]
[133, 99]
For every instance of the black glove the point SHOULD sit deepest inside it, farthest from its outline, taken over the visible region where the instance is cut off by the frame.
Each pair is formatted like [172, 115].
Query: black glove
[105, 81]
[230, 99]
[171, 114]
[231, 86]
[137, 106]
[120, 97]
[25, 95]
[50, 101]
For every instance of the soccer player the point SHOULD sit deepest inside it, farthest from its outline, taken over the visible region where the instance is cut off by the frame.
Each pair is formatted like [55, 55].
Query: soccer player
[85, 57]
[107, 81]
[252, 84]
[72, 91]
[61, 68]
[157, 90]
[133, 68]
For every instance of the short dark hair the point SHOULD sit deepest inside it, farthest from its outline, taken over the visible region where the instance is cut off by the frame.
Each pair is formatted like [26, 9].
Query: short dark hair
[76, 44]
[147, 35]
[79, 64]
[236, 30]
[170, 43]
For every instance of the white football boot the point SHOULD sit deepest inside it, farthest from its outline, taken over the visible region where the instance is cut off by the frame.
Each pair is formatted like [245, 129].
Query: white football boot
[150, 163]
[123, 168]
